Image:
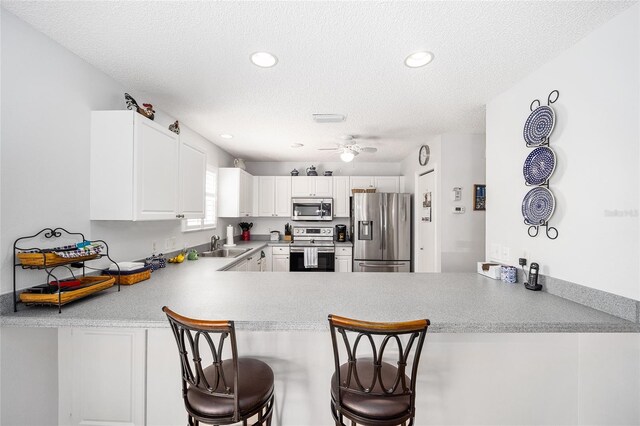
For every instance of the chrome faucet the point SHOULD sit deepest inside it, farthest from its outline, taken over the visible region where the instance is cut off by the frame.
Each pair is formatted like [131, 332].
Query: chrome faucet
[214, 242]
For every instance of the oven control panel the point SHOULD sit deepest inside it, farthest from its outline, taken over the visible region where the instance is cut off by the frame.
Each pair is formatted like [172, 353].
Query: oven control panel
[313, 231]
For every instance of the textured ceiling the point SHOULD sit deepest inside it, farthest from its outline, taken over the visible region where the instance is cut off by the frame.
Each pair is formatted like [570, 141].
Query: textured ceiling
[192, 60]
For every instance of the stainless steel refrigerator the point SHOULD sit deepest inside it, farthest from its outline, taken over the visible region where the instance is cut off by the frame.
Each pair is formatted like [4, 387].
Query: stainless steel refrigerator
[381, 226]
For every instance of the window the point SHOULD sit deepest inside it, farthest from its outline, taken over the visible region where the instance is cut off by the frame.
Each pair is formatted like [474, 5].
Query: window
[210, 203]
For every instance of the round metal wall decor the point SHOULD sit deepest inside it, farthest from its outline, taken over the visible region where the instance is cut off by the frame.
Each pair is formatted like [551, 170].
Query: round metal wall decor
[539, 125]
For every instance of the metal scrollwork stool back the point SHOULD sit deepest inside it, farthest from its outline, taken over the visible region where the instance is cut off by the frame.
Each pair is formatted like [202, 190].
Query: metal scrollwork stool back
[369, 390]
[228, 390]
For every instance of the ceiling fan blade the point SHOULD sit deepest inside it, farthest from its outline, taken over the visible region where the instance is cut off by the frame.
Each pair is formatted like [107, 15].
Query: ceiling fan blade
[328, 149]
[368, 149]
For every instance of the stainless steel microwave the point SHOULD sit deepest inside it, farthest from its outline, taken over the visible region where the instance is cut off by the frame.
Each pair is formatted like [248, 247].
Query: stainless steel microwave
[312, 209]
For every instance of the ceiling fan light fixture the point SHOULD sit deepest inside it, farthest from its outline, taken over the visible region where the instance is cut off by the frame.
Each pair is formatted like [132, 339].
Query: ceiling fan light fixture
[226, 136]
[347, 156]
[264, 59]
[418, 59]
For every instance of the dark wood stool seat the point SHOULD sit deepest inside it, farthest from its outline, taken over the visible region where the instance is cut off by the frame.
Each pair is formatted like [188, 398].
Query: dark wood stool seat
[230, 389]
[370, 390]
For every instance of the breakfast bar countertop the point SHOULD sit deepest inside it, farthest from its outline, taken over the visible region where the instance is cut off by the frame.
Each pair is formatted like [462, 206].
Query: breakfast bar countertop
[454, 302]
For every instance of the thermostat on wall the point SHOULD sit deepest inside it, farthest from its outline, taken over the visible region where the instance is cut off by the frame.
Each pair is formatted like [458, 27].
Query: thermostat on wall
[458, 209]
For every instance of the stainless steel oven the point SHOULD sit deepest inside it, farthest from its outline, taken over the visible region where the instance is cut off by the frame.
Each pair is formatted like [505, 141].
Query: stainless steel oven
[312, 209]
[312, 249]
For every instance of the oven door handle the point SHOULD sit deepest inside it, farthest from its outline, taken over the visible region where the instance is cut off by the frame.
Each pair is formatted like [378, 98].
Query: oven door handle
[320, 250]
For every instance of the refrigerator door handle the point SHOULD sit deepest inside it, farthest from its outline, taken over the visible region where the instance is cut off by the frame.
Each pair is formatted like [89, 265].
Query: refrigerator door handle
[383, 220]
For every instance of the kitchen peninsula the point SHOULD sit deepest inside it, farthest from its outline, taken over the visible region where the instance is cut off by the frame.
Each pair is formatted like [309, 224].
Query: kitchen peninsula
[482, 333]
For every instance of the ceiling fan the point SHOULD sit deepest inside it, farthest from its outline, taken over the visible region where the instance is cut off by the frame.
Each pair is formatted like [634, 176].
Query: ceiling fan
[350, 148]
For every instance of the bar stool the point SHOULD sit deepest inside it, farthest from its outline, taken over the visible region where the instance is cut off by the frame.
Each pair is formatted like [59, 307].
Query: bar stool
[227, 391]
[369, 390]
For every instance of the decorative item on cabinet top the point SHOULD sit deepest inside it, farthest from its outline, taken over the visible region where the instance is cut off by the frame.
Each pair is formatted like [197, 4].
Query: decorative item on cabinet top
[311, 171]
[175, 127]
[239, 164]
[147, 111]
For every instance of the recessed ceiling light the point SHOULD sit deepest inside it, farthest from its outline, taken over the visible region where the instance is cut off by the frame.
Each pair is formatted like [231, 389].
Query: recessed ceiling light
[297, 145]
[328, 118]
[418, 59]
[226, 136]
[264, 59]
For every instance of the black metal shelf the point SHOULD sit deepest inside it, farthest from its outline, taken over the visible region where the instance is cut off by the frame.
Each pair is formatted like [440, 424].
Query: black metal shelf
[50, 234]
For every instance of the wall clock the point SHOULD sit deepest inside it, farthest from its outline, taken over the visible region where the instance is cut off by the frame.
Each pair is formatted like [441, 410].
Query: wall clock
[423, 156]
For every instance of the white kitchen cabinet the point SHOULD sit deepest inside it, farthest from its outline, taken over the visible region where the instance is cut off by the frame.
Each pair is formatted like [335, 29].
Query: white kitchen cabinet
[134, 168]
[254, 262]
[312, 186]
[101, 375]
[193, 169]
[235, 193]
[387, 183]
[273, 196]
[341, 194]
[344, 261]
[280, 259]
[381, 183]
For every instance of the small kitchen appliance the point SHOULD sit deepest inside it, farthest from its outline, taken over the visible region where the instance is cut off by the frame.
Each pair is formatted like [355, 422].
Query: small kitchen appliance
[532, 282]
[312, 249]
[341, 233]
[312, 209]
[275, 235]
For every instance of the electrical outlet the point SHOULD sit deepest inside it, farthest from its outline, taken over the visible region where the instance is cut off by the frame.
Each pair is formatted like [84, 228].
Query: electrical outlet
[505, 253]
[167, 243]
[154, 246]
[495, 251]
[172, 242]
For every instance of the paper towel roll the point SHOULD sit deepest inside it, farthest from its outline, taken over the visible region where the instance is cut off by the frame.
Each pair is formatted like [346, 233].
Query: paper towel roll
[230, 235]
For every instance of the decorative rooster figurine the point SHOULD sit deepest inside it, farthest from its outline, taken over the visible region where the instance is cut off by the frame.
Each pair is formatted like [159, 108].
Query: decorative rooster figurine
[148, 111]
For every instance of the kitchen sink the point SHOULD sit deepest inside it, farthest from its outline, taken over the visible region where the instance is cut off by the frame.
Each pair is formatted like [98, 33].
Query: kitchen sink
[224, 252]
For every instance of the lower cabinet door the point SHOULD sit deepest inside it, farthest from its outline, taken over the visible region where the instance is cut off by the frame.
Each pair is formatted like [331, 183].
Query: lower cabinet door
[343, 264]
[101, 374]
[281, 263]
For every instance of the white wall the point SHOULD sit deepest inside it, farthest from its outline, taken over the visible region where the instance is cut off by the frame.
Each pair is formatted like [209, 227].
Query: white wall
[45, 149]
[459, 161]
[463, 235]
[596, 144]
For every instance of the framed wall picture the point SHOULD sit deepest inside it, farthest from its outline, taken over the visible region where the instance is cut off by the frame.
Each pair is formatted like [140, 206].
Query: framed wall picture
[479, 197]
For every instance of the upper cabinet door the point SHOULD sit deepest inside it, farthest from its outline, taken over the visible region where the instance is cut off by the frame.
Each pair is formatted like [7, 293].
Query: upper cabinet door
[341, 194]
[301, 186]
[323, 186]
[282, 196]
[266, 195]
[387, 183]
[157, 153]
[193, 169]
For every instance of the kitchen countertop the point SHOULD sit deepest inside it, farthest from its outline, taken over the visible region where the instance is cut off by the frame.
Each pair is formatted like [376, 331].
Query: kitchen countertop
[454, 302]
